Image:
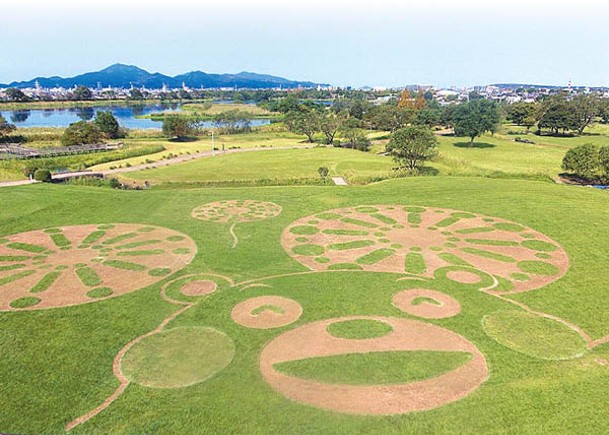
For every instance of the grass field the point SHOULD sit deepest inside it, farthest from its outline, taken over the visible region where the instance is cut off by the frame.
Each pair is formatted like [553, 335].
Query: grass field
[496, 157]
[276, 164]
[56, 363]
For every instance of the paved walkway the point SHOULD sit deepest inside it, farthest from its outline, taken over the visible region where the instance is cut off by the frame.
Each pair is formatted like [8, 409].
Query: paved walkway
[340, 181]
[17, 183]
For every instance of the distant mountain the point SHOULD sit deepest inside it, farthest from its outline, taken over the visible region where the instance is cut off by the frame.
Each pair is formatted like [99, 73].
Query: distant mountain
[125, 76]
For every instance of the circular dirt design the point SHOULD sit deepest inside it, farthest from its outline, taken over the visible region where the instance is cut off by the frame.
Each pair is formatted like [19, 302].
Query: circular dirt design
[72, 265]
[178, 357]
[199, 288]
[236, 211]
[420, 240]
[266, 312]
[313, 340]
[429, 304]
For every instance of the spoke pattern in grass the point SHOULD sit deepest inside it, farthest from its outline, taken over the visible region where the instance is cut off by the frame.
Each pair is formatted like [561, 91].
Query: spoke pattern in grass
[16, 277]
[60, 240]
[375, 256]
[489, 254]
[359, 222]
[94, 237]
[490, 242]
[415, 263]
[124, 265]
[46, 282]
[88, 276]
[27, 247]
[138, 244]
[141, 253]
[356, 244]
[11, 267]
[120, 238]
[398, 232]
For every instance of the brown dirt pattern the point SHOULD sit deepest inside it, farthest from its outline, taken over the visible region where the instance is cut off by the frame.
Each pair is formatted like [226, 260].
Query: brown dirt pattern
[234, 211]
[447, 306]
[432, 236]
[266, 319]
[312, 340]
[199, 288]
[172, 251]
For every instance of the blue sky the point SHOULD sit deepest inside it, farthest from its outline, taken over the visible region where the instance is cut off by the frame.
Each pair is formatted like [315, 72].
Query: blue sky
[376, 43]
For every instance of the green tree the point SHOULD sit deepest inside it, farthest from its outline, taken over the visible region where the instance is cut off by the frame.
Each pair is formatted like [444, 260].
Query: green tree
[81, 133]
[523, 113]
[558, 114]
[389, 117]
[108, 124]
[474, 118]
[583, 161]
[5, 127]
[586, 107]
[233, 121]
[323, 172]
[136, 94]
[427, 117]
[82, 93]
[303, 122]
[178, 127]
[15, 94]
[411, 146]
[330, 123]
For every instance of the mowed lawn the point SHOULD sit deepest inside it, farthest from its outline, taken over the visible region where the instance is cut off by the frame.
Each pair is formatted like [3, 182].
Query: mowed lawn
[260, 137]
[57, 364]
[271, 164]
[498, 156]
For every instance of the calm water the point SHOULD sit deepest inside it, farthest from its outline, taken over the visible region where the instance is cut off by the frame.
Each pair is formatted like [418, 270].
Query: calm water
[126, 116]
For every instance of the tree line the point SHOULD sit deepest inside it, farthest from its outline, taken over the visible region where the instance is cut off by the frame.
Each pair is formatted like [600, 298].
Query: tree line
[560, 114]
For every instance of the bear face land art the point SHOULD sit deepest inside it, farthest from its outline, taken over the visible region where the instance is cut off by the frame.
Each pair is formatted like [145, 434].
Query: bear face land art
[394, 310]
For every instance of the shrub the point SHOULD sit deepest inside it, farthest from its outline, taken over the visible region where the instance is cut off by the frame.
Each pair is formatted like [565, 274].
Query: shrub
[43, 175]
[582, 161]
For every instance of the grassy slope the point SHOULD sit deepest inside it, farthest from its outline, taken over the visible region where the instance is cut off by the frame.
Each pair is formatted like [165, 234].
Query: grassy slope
[54, 375]
[489, 157]
[498, 156]
[279, 164]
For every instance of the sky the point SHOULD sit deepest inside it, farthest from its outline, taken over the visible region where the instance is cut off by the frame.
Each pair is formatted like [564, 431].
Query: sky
[385, 43]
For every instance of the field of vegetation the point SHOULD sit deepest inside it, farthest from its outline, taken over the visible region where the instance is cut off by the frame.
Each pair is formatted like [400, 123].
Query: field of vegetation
[59, 360]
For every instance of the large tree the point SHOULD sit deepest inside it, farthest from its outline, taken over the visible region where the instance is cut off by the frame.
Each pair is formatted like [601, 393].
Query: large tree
[330, 123]
[410, 146]
[586, 107]
[178, 127]
[82, 93]
[523, 113]
[303, 122]
[108, 124]
[557, 115]
[81, 133]
[389, 117]
[476, 117]
[15, 94]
